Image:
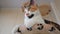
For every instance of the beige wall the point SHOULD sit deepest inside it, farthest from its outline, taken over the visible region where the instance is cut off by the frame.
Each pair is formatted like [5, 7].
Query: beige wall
[57, 9]
[9, 17]
[18, 3]
[57, 2]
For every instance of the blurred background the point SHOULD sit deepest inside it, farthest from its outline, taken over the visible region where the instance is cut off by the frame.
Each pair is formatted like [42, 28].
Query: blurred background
[11, 15]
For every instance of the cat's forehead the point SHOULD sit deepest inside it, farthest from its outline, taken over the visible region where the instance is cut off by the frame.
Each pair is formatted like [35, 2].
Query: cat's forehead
[31, 8]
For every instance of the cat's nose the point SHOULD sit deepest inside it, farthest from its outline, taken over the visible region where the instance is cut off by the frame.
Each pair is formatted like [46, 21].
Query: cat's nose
[27, 14]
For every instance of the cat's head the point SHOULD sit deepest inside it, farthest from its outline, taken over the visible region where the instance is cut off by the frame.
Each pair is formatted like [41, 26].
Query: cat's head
[30, 9]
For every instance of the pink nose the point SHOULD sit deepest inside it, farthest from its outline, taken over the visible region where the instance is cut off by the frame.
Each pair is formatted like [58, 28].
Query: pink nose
[27, 14]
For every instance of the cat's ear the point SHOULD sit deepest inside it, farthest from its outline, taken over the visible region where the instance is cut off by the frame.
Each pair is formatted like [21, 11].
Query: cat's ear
[32, 2]
[24, 6]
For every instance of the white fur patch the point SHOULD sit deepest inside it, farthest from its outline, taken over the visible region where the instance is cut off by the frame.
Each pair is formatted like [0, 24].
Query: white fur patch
[36, 19]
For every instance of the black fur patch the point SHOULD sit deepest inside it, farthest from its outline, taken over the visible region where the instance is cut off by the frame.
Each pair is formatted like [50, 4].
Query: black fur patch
[52, 29]
[40, 26]
[53, 23]
[31, 2]
[19, 30]
[30, 29]
[47, 22]
[31, 16]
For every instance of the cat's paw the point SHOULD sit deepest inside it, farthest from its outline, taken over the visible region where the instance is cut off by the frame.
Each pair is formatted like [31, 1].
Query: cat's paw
[52, 29]
[40, 26]
[30, 29]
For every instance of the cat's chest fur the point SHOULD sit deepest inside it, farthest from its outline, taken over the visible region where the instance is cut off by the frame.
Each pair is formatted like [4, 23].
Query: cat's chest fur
[36, 19]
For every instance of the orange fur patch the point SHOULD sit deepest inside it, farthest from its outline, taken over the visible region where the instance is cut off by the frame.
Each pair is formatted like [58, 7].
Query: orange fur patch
[33, 8]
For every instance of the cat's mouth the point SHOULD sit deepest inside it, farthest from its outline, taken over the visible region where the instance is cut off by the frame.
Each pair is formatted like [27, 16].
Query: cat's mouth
[30, 16]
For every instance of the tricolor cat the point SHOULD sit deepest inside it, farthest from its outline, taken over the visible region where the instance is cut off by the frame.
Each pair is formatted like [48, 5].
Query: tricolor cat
[32, 15]
[34, 19]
